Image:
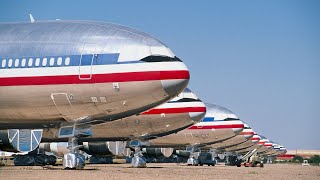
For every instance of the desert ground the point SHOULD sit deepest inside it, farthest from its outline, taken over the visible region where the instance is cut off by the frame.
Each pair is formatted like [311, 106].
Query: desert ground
[162, 171]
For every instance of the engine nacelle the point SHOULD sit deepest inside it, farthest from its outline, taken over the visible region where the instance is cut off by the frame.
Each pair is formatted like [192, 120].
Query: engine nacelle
[93, 148]
[158, 152]
[116, 148]
[57, 148]
[182, 153]
[20, 140]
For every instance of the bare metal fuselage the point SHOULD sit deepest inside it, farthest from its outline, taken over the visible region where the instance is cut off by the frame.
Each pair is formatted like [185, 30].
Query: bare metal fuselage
[161, 121]
[46, 94]
[219, 124]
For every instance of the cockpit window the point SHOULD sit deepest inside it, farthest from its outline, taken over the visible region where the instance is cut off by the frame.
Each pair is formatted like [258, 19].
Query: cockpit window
[231, 119]
[160, 59]
[187, 100]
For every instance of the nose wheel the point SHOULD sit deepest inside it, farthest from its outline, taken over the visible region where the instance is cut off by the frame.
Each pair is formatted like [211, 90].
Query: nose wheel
[192, 161]
[137, 160]
[74, 159]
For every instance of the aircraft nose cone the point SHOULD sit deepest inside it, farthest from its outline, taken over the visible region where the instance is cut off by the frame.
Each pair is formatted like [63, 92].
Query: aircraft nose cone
[176, 79]
[237, 130]
[248, 136]
[238, 127]
[198, 111]
[173, 87]
[255, 138]
[197, 116]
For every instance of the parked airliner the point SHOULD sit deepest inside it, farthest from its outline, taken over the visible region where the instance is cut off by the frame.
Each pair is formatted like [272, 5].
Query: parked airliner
[74, 74]
[244, 136]
[218, 124]
[179, 113]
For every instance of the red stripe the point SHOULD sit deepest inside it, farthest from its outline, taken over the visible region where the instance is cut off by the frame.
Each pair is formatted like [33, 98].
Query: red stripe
[96, 78]
[262, 143]
[246, 133]
[287, 155]
[255, 139]
[228, 126]
[175, 110]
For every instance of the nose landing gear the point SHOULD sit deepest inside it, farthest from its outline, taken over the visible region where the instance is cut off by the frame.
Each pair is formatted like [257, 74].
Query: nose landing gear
[74, 159]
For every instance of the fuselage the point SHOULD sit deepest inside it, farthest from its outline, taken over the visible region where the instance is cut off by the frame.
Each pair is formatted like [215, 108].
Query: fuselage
[251, 142]
[219, 124]
[267, 145]
[254, 144]
[275, 150]
[244, 136]
[171, 117]
[82, 72]
[282, 150]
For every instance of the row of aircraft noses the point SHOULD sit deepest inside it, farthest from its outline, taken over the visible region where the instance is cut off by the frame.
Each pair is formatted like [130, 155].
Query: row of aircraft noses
[133, 74]
[242, 130]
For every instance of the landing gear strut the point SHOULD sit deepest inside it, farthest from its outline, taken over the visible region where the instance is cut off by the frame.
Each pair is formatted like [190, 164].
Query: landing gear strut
[192, 161]
[74, 159]
[137, 160]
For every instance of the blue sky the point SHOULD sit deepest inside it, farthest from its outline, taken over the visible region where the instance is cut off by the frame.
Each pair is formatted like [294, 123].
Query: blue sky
[260, 59]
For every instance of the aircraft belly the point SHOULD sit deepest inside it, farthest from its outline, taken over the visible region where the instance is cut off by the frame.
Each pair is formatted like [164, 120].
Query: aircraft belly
[152, 124]
[241, 146]
[256, 146]
[229, 142]
[263, 149]
[140, 127]
[21, 104]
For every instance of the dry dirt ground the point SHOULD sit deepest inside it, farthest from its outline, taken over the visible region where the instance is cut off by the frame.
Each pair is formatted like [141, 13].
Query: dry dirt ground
[162, 171]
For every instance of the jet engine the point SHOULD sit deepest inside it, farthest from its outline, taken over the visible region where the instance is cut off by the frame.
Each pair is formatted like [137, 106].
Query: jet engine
[116, 148]
[158, 152]
[20, 140]
[93, 148]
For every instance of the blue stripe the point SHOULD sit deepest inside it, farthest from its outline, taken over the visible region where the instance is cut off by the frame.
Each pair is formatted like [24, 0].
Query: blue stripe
[86, 60]
[208, 119]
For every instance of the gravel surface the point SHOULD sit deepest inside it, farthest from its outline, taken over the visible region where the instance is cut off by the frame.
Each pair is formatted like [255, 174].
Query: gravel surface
[162, 171]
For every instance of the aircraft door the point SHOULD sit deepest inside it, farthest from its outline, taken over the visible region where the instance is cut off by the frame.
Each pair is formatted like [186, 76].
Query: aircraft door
[86, 61]
[63, 105]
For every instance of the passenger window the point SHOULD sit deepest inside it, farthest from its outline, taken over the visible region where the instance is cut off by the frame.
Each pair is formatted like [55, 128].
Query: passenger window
[67, 61]
[59, 62]
[23, 62]
[10, 63]
[4, 62]
[37, 63]
[30, 62]
[51, 61]
[44, 61]
[16, 63]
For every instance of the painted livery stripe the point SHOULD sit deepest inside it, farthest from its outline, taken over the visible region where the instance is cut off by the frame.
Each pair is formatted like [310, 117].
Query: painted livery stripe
[255, 139]
[227, 126]
[96, 78]
[247, 133]
[176, 110]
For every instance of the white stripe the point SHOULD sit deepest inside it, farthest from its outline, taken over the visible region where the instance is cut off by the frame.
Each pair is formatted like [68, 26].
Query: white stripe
[214, 123]
[181, 105]
[247, 130]
[99, 69]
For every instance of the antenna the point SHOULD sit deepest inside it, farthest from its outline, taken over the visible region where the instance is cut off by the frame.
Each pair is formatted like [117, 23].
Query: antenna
[31, 18]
